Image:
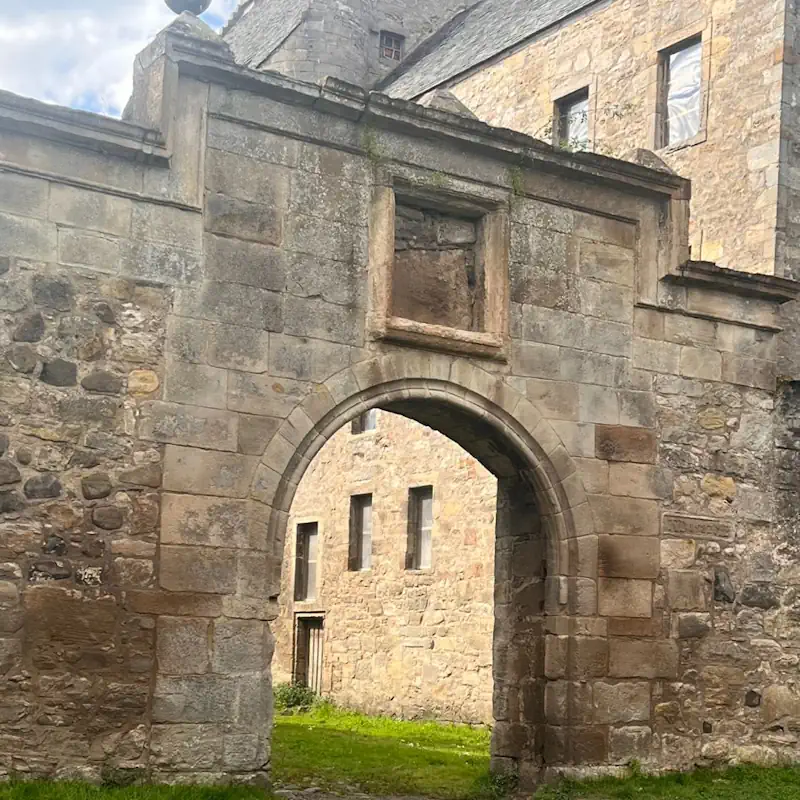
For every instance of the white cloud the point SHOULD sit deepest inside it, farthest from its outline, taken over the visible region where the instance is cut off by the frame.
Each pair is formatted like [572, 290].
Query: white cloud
[80, 52]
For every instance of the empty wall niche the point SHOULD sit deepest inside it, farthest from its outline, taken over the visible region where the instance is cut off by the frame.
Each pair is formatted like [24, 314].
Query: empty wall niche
[438, 275]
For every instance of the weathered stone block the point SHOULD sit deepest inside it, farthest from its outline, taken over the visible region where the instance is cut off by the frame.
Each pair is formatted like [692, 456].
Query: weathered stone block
[629, 658]
[239, 646]
[243, 220]
[616, 703]
[625, 515]
[687, 590]
[236, 348]
[167, 225]
[568, 702]
[232, 303]
[640, 480]
[182, 645]
[206, 521]
[208, 472]
[92, 250]
[306, 359]
[628, 556]
[623, 443]
[198, 569]
[188, 425]
[161, 262]
[200, 698]
[620, 597]
[92, 210]
[265, 395]
[249, 263]
[186, 747]
[678, 553]
[26, 238]
[630, 742]
[598, 404]
[196, 384]
[701, 363]
[320, 320]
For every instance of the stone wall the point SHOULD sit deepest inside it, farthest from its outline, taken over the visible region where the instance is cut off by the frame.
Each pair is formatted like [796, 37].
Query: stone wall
[79, 490]
[617, 391]
[427, 633]
[613, 50]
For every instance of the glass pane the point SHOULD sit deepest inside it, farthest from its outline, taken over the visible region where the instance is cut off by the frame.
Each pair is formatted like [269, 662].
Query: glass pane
[425, 548]
[312, 547]
[575, 125]
[366, 532]
[426, 509]
[684, 81]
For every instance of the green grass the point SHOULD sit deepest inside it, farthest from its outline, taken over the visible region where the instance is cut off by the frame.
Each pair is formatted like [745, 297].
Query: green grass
[82, 791]
[740, 783]
[334, 749]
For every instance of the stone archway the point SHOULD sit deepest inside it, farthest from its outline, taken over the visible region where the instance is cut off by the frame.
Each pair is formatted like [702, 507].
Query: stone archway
[539, 586]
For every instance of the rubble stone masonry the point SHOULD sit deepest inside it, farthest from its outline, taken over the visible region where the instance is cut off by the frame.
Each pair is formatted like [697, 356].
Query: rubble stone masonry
[195, 299]
[426, 633]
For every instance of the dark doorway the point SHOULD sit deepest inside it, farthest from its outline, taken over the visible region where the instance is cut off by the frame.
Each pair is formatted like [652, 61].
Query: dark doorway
[308, 654]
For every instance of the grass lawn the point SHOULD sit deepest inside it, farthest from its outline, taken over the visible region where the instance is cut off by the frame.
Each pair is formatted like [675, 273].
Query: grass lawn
[82, 791]
[334, 749]
[740, 783]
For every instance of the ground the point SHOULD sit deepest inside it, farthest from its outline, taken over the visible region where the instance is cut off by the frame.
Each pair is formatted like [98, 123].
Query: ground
[329, 754]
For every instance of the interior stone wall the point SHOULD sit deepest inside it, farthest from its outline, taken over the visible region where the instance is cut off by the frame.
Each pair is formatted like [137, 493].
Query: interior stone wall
[427, 633]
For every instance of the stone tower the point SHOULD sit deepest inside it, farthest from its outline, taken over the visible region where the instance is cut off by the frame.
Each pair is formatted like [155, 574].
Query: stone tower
[312, 39]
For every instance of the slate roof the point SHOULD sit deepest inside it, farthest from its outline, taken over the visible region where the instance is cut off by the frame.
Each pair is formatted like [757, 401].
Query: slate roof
[257, 29]
[484, 31]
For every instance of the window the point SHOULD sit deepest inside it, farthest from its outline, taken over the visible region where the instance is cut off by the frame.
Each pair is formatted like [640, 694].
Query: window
[420, 527]
[572, 121]
[681, 92]
[305, 569]
[366, 422]
[392, 46]
[360, 532]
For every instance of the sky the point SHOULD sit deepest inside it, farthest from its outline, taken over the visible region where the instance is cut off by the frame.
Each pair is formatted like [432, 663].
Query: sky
[80, 53]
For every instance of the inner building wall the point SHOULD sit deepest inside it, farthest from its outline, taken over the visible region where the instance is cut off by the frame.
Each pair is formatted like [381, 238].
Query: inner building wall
[613, 50]
[416, 643]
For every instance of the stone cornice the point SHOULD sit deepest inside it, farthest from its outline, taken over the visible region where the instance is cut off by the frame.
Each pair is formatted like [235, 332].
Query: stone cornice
[708, 275]
[81, 128]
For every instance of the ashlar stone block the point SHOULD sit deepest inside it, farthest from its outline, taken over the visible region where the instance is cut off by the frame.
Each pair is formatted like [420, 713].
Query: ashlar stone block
[628, 556]
[622, 597]
[182, 645]
[197, 698]
[208, 472]
[630, 658]
[616, 703]
[206, 570]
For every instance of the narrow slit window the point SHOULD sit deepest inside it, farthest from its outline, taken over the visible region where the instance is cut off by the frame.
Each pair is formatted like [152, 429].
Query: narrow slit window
[361, 532]
[572, 121]
[365, 423]
[419, 554]
[392, 45]
[306, 561]
[681, 91]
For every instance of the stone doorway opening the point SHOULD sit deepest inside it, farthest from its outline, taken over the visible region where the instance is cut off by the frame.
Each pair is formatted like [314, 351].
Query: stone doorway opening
[530, 599]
